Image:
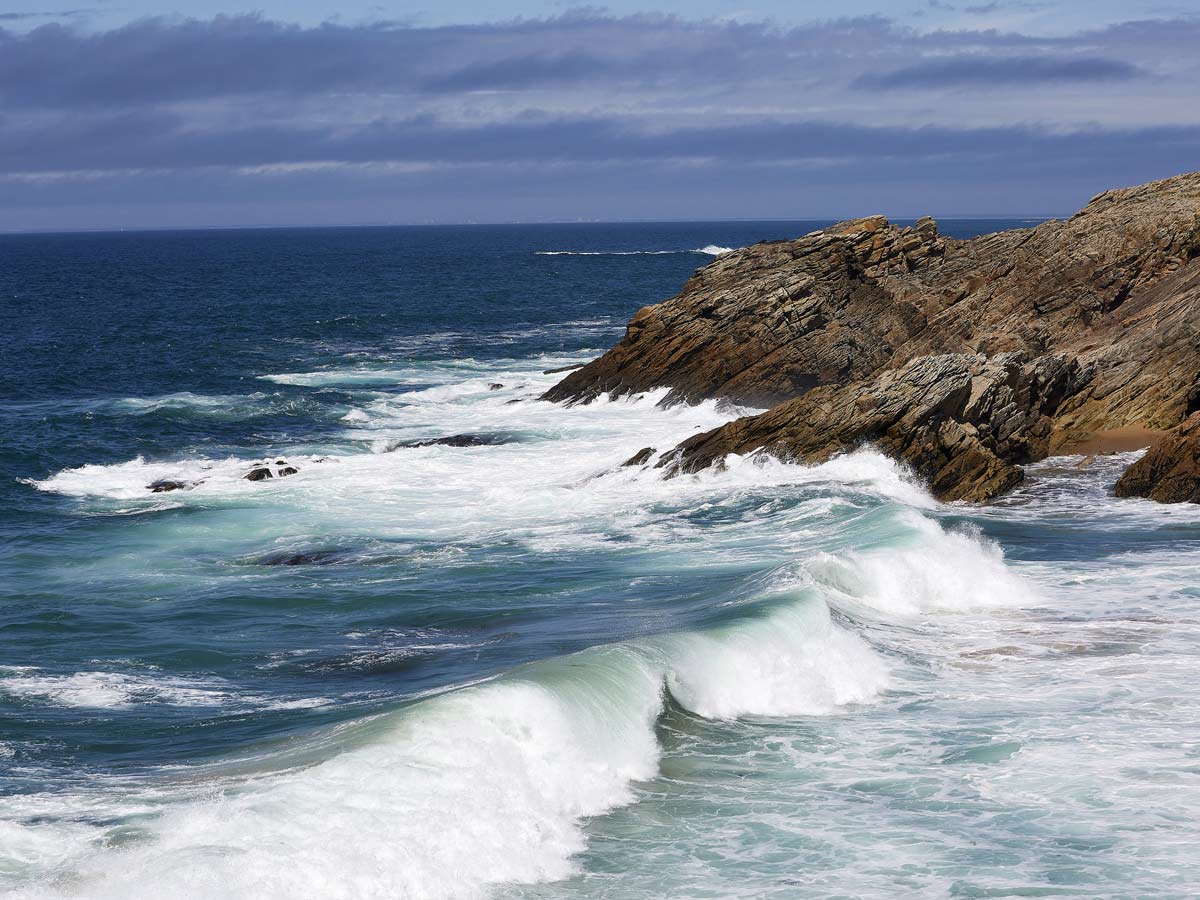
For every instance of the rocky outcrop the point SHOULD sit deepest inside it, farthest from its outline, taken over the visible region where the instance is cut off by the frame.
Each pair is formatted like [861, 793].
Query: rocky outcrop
[768, 322]
[640, 458]
[164, 485]
[964, 422]
[1170, 470]
[262, 471]
[965, 358]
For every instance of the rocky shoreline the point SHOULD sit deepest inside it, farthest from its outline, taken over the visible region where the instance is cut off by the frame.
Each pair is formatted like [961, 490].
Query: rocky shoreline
[964, 358]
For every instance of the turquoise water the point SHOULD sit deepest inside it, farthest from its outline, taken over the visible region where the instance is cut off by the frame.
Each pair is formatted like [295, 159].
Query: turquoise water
[517, 669]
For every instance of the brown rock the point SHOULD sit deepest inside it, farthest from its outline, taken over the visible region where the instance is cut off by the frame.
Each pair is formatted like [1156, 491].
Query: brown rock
[640, 458]
[1170, 470]
[963, 422]
[1102, 310]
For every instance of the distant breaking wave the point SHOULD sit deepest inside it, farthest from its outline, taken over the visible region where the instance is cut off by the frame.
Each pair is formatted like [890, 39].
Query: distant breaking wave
[708, 249]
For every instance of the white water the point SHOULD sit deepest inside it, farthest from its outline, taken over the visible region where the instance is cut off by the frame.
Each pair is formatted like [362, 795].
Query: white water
[878, 627]
[120, 690]
[489, 784]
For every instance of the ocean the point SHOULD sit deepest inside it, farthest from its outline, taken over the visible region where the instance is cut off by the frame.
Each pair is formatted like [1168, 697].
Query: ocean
[517, 669]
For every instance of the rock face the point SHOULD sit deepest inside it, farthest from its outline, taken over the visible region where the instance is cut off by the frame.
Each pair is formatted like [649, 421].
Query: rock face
[1170, 470]
[640, 458]
[964, 358]
[964, 422]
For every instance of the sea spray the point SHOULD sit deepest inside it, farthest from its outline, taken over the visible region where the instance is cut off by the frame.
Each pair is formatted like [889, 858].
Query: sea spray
[927, 568]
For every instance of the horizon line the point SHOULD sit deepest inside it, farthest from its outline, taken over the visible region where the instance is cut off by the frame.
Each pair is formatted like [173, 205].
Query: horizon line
[159, 229]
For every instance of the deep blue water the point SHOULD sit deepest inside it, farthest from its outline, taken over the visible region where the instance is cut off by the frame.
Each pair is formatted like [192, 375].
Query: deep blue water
[277, 653]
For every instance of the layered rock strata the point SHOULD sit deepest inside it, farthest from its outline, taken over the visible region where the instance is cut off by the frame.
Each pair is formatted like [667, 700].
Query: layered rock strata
[965, 358]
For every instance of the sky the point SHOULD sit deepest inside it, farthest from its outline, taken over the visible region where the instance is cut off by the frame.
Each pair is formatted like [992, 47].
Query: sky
[134, 114]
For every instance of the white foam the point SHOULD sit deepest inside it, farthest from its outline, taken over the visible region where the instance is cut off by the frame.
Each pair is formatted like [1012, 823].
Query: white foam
[109, 690]
[863, 468]
[492, 783]
[131, 480]
[364, 377]
[477, 787]
[210, 404]
[122, 690]
[356, 416]
[790, 663]
[485, 785]
[925, 568]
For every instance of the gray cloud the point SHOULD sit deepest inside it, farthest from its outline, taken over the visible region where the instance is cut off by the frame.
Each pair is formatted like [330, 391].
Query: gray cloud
[166, 61]
[983, 72]
[163, 141]
[25, 16]
[621, 115]
[983, 9]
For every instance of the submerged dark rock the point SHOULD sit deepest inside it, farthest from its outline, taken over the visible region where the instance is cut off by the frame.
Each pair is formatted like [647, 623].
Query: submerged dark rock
[964, 358]
[495, 386]
[454, 440]
[303, 558]
[561, 369]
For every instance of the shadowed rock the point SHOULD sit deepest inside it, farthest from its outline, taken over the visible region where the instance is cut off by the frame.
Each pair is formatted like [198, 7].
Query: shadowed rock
[278, 469]
[163, 485]
[304, 558]
[1170, 470]
[964, 358]
[640, 458]
[963, 422]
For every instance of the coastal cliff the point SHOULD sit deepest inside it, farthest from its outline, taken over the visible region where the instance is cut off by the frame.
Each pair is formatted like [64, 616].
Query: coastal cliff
[964, 358]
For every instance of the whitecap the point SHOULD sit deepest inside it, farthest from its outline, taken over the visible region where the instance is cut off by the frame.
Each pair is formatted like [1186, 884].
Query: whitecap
[483, 785]
[113, 690]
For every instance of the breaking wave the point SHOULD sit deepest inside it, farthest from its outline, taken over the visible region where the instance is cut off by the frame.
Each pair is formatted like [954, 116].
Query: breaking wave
[494, 782]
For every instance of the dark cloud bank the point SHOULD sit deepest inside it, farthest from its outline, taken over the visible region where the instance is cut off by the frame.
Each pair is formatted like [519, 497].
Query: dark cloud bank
[242, 120]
